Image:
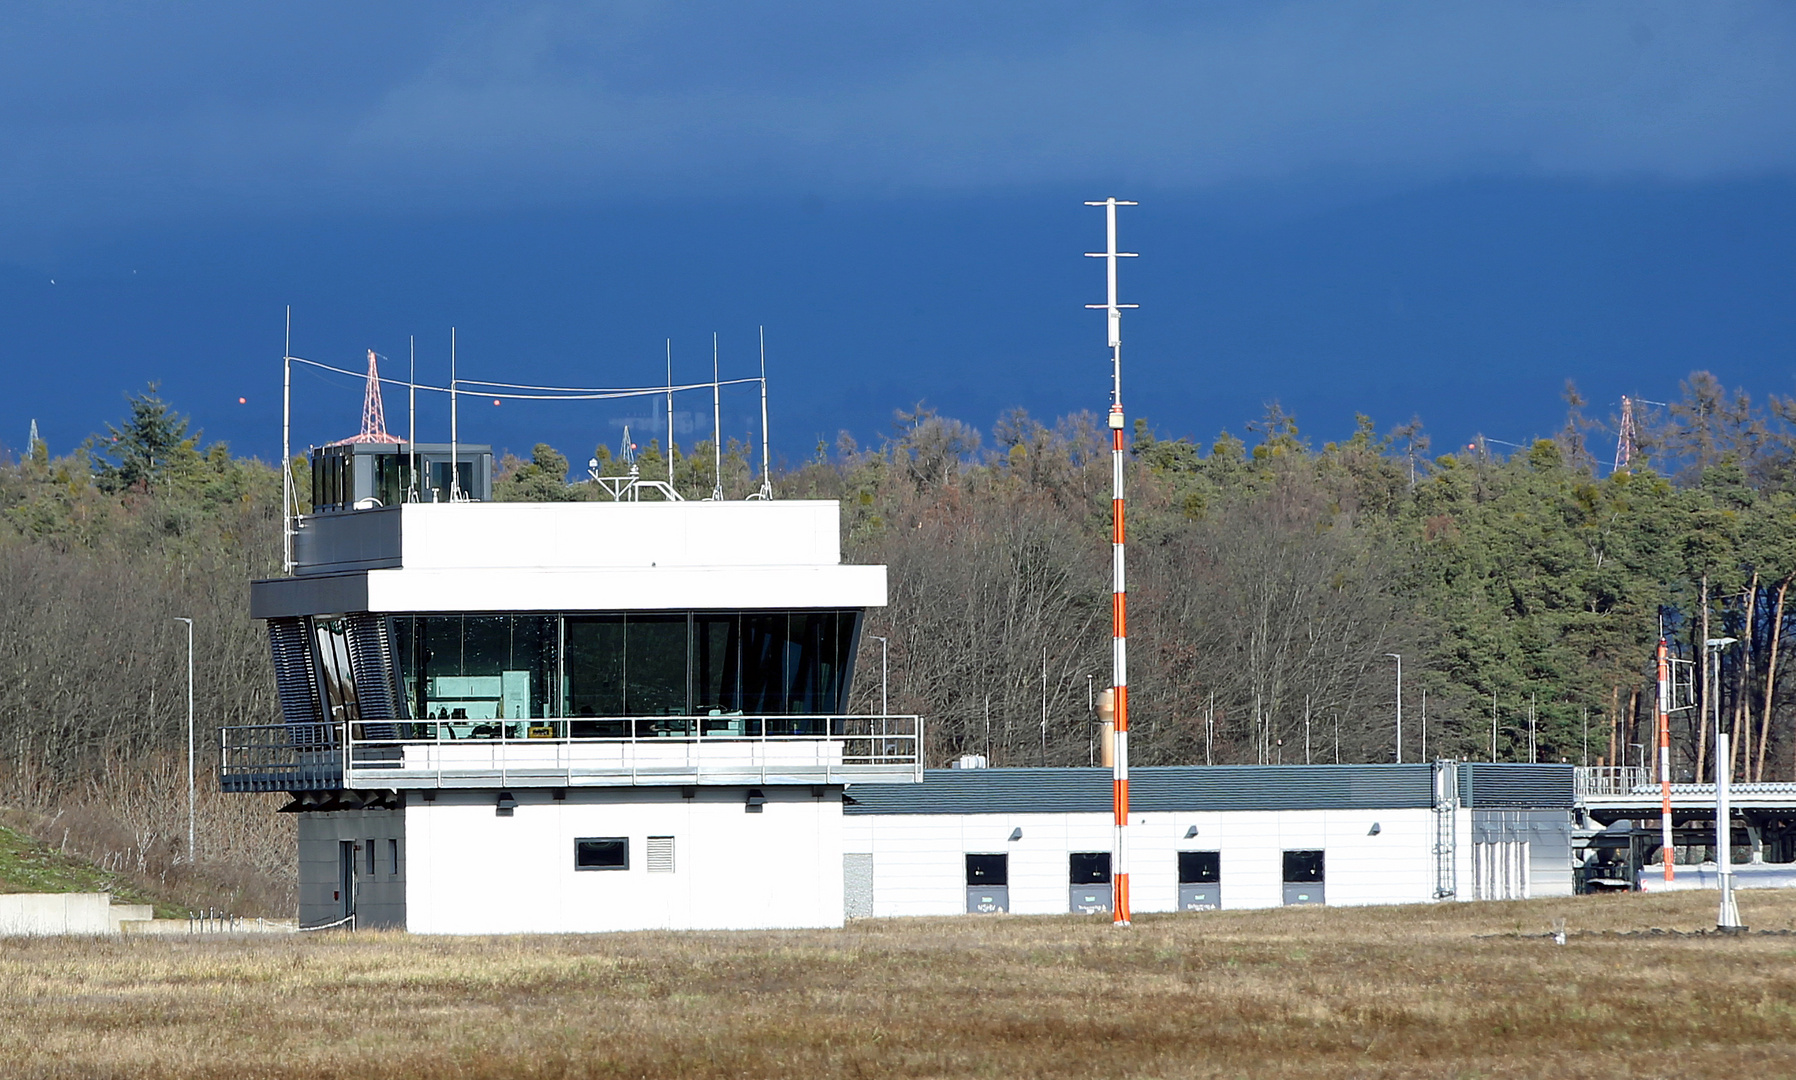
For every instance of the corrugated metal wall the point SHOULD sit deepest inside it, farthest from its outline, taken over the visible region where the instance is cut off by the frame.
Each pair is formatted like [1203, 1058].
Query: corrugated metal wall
[1153, 789]
[1488, 785]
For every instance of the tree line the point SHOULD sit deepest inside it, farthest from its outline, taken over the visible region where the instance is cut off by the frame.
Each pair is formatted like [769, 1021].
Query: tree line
[1272, 582]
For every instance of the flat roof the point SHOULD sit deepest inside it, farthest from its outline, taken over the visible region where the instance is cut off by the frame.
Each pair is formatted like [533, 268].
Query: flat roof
[1175, 788]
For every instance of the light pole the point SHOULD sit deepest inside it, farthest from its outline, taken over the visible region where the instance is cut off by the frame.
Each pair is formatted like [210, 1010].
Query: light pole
[190, 785]
[1399, 658]
[1729, 916]
[884, 710]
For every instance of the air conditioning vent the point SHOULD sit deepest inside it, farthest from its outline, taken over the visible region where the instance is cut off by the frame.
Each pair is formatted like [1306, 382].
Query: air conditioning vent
[661, 855]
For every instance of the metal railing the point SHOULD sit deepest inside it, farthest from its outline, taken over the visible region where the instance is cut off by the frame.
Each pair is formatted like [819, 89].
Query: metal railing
[650, 749]
[1600, 780]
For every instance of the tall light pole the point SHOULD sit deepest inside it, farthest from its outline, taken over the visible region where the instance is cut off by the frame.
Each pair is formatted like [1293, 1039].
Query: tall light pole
[884, 710]
[190, 783]
[1119, 624]
[1399, 658]
[1729, 915]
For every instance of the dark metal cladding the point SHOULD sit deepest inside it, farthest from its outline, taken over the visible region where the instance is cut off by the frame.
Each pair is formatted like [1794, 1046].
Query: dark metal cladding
[1154, 789]
[1499, 785]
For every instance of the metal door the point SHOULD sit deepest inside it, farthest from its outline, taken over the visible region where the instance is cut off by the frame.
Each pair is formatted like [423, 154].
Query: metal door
[988, 884]
[1088, 874]
[1200, 880]
[345, 878]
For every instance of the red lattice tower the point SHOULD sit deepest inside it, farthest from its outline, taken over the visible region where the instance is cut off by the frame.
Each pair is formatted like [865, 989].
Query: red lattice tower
[1624, 442]
[374, 415]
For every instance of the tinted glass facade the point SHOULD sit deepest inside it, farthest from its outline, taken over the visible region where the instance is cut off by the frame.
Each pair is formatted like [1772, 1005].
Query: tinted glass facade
[760, 663]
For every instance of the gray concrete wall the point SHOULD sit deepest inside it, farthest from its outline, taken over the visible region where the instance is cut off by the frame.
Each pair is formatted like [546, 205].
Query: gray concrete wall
[379, 895]
[56, 913]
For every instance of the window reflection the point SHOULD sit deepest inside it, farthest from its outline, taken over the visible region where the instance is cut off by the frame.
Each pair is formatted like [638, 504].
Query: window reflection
[597, 669]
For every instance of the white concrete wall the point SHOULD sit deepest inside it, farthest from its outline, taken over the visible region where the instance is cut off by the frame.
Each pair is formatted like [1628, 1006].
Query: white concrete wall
[55, 913]
[472, 871]
[919, 869]
[380, 897]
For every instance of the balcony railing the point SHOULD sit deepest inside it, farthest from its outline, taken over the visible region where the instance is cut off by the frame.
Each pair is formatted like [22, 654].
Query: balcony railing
[575, 752]
[1601, 780]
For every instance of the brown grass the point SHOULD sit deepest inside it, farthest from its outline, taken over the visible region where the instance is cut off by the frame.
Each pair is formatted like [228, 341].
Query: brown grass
[1463, 990]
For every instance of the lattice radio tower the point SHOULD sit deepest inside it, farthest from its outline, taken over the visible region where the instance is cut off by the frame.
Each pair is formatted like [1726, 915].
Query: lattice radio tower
[1624, 441]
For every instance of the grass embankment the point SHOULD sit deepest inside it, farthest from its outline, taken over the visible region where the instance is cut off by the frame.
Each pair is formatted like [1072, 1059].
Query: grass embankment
[1458, 990]
[27, 866]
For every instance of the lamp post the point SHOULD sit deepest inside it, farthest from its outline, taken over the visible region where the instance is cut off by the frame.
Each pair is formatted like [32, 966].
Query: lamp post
[190, 784]
[1729, 915]
[1399, 658]
[884, 710]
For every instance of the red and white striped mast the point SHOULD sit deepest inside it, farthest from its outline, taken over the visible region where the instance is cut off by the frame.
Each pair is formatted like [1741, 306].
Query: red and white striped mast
[1119, 645]
[1666, 850]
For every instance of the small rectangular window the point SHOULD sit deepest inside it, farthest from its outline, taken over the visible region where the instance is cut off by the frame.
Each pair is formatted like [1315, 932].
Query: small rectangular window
[661, 854]
[371, 857]
[602, 853]
[1200, 867]
[987, 870]
[1089, 868]
[1303, 867]
[393, 857]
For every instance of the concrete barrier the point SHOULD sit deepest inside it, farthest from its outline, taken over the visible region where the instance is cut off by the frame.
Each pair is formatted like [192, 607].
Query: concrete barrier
[56, 913]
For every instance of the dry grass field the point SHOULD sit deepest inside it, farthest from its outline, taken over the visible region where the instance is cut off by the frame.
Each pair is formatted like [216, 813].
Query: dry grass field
[1466, 990]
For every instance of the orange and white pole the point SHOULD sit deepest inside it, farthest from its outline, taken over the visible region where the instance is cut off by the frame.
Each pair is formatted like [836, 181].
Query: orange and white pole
[1119, 622]
[1667, 851]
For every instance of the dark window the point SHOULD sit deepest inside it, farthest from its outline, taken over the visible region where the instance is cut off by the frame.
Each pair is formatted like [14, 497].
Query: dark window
[393, 857]
[655, 665]
[1302, 867]
[988, 869]
[1200, 867]
[602, 853]
[595, 667]
[370, 857]
[1088, 867]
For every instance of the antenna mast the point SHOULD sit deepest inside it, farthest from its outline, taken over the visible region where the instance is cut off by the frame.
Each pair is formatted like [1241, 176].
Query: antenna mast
[716, 428]
[1624, 442]
[454, 428]
[766, 465]
[287, 448]
[670, 416]
[1119, 656]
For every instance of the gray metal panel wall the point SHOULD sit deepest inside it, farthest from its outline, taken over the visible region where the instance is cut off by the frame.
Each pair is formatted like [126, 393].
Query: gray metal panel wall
[371, 660]
[349, 540]
[290, 646]
[1153, 789]
[1498, 785]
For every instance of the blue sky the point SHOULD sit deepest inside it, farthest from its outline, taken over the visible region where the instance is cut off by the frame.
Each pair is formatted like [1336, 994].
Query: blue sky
[1392, 208]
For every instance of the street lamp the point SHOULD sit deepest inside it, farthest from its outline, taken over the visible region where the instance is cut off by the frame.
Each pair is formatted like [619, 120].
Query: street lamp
[1399, 658]
[1729, 916]
[190, 784]
[884, 709]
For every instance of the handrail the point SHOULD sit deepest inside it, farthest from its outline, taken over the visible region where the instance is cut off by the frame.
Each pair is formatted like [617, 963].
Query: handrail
[334, 753]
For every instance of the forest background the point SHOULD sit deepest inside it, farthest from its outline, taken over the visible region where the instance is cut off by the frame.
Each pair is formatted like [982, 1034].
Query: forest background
[1272, 583]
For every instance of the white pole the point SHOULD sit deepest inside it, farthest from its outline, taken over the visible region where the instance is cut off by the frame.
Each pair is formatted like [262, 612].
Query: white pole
[454, 427]
[287, 448]
[716, 427]
[411, 424]
[1728, 917]
[1424, 723]
[1119, 634]
[884, 708]
[670, 416]
[190, 776]
[766, 462]
[1399, 660]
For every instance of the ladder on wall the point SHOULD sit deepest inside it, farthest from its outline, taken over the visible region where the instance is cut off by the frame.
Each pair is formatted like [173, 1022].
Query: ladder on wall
[1446, 830]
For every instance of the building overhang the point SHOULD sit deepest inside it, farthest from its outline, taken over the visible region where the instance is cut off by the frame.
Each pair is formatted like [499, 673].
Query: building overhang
[654, 589]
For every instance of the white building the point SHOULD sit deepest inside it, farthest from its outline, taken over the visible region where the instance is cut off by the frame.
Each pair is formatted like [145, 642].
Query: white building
[563, 717]
[1037, 841]
[509, 717]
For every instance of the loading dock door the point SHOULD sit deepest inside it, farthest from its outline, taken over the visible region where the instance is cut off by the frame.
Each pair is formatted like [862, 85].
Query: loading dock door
[1088, 875]
[988, 884]
[1303, 877]
[1200, 880]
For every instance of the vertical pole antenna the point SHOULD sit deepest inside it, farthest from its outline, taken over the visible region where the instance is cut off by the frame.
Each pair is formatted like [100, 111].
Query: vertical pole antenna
[766, 462]
[287, 448]
[1662, 719]
[454, 426]
[411, 425]
[716, 428]
[670, 416]
[1119, 656]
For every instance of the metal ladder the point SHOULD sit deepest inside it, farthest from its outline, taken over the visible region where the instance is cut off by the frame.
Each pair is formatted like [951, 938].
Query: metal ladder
[1446, 832]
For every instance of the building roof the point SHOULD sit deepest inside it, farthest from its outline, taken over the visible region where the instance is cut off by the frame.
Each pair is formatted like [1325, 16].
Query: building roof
[1161, 789]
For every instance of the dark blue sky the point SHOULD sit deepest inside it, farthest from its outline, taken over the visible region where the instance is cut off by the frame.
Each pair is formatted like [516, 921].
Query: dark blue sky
[1389, 208]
